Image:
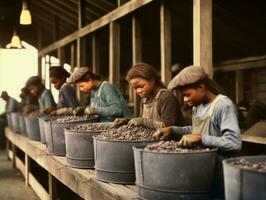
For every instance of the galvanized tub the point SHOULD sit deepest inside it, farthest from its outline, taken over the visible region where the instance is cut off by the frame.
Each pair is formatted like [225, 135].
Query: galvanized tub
[79, 147]
[174, 176]
[32, 128]
[55, 137]
[22, 125]
[42, 129]
[244, 184]
[9, 121]
[15, 122]
[114, 161]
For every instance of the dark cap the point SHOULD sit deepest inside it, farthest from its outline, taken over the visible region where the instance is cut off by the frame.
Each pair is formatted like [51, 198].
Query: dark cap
[78, 73]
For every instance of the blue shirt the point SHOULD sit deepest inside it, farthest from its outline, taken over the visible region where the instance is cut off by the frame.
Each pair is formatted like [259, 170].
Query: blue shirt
[46, 99]
[109, 102]
[67, 97]
[224, 128]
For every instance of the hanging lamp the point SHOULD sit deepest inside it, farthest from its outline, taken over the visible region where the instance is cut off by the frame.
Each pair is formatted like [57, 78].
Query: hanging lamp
[25, 16]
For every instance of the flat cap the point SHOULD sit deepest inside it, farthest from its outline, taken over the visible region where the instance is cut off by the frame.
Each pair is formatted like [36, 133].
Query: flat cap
[78, 73]
[188, 75]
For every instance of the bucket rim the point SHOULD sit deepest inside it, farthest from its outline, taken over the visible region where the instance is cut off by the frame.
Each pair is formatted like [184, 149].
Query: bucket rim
[139, 149]
[87, 120]
[230, 160]
[124, 141]
[68, 128]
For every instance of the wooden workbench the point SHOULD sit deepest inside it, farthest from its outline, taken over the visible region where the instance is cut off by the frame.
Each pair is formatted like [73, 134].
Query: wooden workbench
[80, 181]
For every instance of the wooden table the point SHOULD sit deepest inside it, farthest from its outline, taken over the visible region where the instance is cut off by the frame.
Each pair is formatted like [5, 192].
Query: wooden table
[80, 181]
[253, 139]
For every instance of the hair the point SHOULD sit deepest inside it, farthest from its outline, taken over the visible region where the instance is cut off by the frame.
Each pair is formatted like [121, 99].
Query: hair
[210, 85]
[145, 71]
[4, 94]
[89, 76]
[58, 72]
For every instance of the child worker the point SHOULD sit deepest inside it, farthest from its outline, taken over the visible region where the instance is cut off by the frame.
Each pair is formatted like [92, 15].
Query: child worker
[45, 98]
[67, 99]
[214, 117]
[106, 100]
[158, 106]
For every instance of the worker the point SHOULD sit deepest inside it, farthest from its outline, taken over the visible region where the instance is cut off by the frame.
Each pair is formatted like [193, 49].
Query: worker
[158, 106]
[67, 99]
[45, 98]
[105, 99]
[214, 117]
[12, 105]
[29, 103]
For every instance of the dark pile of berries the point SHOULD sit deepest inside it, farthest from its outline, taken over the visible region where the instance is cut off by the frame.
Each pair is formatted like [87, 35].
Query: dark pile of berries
[72, 118]
[128, 133]
[96, 127]
[242, 163]
[171, 146]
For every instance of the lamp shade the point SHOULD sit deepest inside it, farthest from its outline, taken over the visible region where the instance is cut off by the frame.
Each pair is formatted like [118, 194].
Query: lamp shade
[15, 41]
[25, 17]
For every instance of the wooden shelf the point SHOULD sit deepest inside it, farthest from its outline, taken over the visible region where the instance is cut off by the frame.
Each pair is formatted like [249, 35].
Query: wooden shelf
[81, 181]
[253, 139]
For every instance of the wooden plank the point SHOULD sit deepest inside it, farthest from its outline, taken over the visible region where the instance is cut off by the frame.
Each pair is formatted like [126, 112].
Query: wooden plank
[166, 43]
[202, 35]
[38, 188]
[83, 182]
[253, 139]
[52, 187]
[101, 22]
[114, 53]
[136, 57]
[27, 169]
[81, 13]
[13, 147]
[95, 55]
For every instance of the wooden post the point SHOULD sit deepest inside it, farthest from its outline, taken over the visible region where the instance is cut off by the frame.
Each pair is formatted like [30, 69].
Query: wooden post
[202, 35]
[137, 57]
[13, 155]
[7, 148]
[166, 41]
[114, 53]
[121, 2]
[239, 86]
[52, 187]
[59, 56]
[27, 169]
[95, 55]
[72, 56]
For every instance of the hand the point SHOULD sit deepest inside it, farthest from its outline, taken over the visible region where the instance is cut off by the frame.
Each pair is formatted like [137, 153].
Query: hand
[62, 111]
[47, 110]
[120, 121]
[78, 111]
[90, 110]
[138, 121]
[162, 133]
[189, 140]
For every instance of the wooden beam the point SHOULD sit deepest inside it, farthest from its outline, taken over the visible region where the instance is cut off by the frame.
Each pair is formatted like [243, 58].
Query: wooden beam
[114, 53]
[121, 2]
[52, 187]
[239, 87]
[81, 13]
[72, 56]
[166, 43]
[27, 169]
[137, 58]
[101, 22]
[13, 147]
[241, 64]
[95, 55]
[202, 35]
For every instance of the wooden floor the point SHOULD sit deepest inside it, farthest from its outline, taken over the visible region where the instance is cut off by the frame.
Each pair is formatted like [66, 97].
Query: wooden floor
[80, 181]
[12, 186]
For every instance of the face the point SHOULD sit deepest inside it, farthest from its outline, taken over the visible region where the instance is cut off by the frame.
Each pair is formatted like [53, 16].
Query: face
[34, 90]
[57, 82]
[142, 86]
[85, 86]
[194, 96]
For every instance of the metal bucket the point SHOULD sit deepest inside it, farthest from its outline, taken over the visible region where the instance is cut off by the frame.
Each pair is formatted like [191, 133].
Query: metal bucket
[114, 161]
[79, 148]
[9, 121]
[55, 137]
[15, 122]
[244, 184]
[32, 128]
[42, 129]
[174, 176]
[22, 125]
